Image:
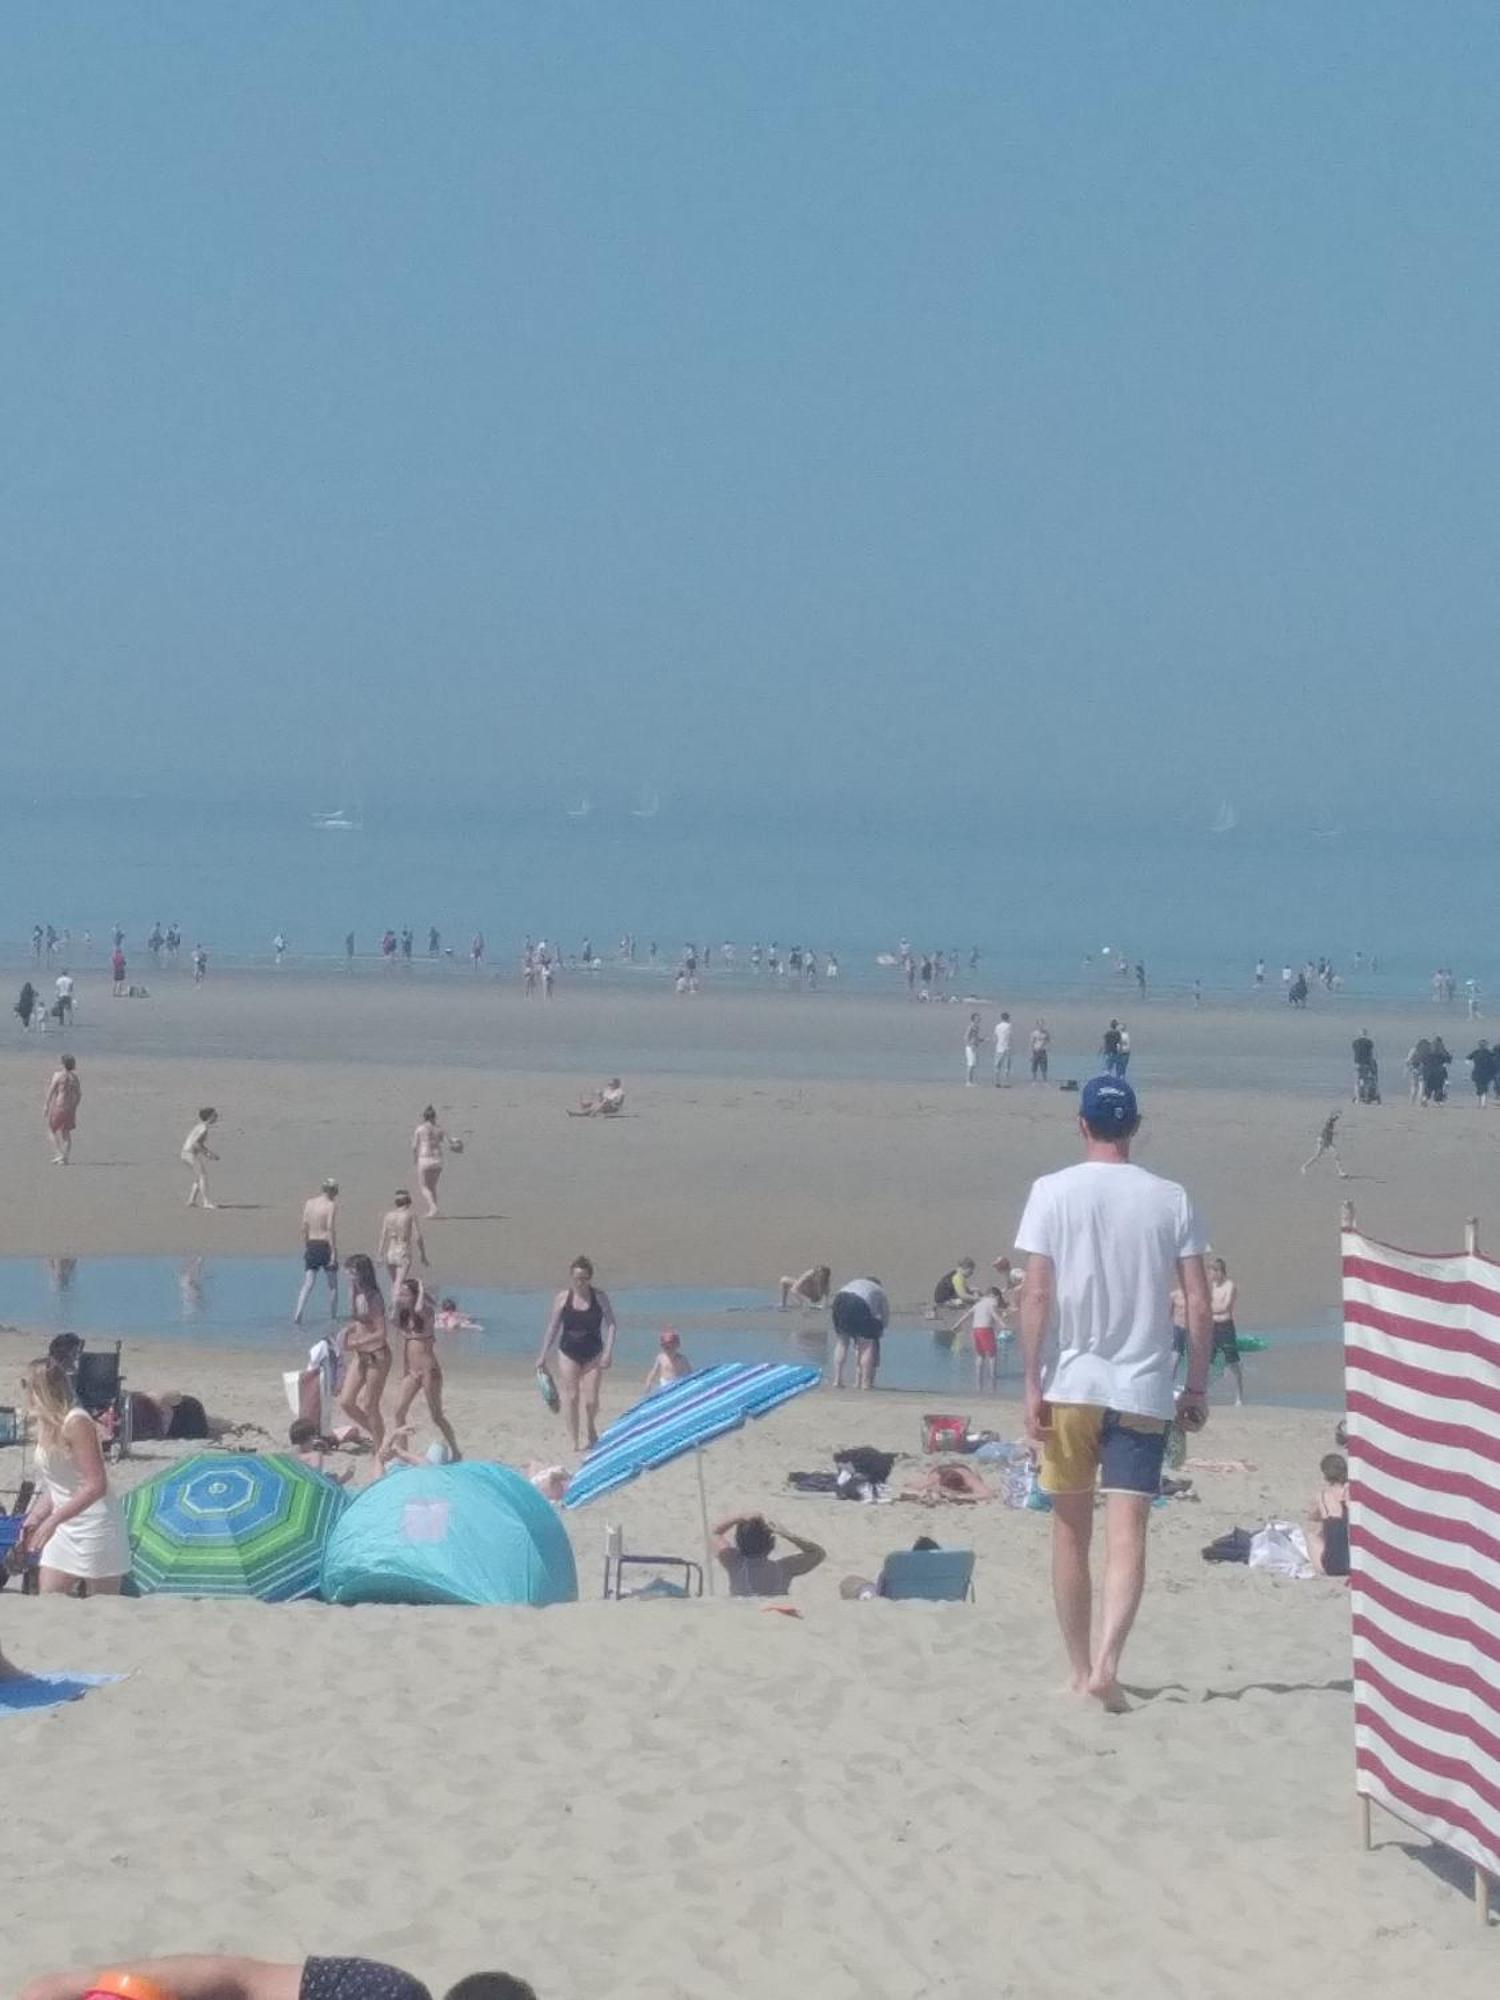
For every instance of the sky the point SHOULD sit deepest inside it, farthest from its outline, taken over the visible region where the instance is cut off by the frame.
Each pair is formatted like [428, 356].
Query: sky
[979, 407]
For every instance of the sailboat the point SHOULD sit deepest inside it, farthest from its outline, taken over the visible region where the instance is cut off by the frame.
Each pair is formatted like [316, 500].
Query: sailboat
[1225, 820]
[349, 818]
[649, 806]
[582, 810]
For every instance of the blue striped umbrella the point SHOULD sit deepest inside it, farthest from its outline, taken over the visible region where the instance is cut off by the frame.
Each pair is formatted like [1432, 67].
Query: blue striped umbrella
[683, 1418]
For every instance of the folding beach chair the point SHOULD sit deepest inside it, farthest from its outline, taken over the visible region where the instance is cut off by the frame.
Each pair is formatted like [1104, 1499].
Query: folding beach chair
[10, 1534]
[942, 1576]
[98, 1388]
[689, 1574]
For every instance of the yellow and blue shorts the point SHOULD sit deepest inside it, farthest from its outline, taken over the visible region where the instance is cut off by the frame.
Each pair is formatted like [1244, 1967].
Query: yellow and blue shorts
[1113, 1449]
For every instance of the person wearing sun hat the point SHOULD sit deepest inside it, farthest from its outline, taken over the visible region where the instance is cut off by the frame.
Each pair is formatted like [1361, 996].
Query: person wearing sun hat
[1104, 1243]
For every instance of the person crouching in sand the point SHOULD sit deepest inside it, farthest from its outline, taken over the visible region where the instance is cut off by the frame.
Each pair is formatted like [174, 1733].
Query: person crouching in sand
[423, 1372]
[366, 1349]
[810, 1290]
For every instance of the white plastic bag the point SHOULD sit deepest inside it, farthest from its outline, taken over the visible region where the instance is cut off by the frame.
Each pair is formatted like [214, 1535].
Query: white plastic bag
[1281, 1547]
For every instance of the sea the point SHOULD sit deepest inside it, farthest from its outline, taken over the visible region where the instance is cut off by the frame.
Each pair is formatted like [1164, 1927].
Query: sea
[1050, 904]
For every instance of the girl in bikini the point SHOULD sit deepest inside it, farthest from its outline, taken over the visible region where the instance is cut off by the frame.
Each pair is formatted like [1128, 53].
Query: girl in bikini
[367, 1351]
[423, 1371]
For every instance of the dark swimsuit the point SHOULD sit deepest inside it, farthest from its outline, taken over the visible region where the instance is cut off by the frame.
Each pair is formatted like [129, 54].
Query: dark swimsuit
[580, 1336]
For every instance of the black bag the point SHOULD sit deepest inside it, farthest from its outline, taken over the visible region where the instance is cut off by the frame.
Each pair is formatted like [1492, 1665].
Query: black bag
[1231, 1548]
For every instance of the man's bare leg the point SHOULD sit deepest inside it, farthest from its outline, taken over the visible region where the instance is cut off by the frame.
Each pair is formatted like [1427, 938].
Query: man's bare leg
[1072, 1586]
[1126, 1518]
[840, 1361]
[309, 1279]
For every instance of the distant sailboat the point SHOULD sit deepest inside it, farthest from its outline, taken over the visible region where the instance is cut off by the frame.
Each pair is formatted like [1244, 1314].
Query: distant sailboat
[349, 818]
[1326, 832]
[1225, 820]
[649, 806]
[582, 810]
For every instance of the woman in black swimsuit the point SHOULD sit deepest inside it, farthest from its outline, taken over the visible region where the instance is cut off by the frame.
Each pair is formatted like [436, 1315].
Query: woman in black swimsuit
[581, 1327]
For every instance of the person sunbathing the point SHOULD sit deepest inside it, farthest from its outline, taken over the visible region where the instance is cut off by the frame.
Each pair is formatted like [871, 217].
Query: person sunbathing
[743, 1545]
[312, 1449]
[216, 1978]
[954, 1485]
[607, 1103]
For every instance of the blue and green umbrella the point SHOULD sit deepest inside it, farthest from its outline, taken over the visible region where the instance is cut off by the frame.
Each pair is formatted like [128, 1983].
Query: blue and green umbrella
[222, 1524]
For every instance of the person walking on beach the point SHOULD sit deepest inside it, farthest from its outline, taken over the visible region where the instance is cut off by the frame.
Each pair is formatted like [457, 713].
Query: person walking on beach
[60, 1109]
[1481, 1061]
[64, 1002]
[1223, 1294]
[197, 1154]
[1327, 1144]
[1041, 1043]
[1104, 1242]
[320, 1248]
[75, 1527]
[366, 1350]
[1003, 1038]
[401, 1244]
[861, 1313]
[427, 1144]
[422, 1372]
[117, 972]
[972, 1036]
[1109, 1050]
[581, 1330]
[1366, 1069]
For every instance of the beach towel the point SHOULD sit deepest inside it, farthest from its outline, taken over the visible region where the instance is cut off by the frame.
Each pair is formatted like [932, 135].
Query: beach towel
[33, 1691]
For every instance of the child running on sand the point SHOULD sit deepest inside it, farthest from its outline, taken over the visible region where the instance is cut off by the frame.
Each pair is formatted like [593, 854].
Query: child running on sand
[196, 1154]
[985, 1317]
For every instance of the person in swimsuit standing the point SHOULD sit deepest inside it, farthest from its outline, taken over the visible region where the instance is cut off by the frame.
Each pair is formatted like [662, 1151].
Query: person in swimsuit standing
[196, 1154]
[581, 1327]
[423, 1372]
[320, 1248]
[401, 1241]
[367, 1351]
[1223, 1292]
[427, 1144]
[64, 1095]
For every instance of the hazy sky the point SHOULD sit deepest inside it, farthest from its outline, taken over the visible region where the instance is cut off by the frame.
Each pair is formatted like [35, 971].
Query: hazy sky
[756, 399]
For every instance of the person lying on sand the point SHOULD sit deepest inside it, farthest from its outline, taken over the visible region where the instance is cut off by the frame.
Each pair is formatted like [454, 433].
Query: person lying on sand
[607, 1103]
[670, 1366]
[744, 1545]
[810, 1290]
[313, 1450]
[954, 1485]
[216, 1978]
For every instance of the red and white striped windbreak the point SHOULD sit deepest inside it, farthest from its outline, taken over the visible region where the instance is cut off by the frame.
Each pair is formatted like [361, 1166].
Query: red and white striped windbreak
[1422, 1362]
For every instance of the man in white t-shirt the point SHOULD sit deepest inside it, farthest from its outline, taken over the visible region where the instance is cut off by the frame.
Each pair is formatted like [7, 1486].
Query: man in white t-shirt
[1002, 1051]
[1105, 1243]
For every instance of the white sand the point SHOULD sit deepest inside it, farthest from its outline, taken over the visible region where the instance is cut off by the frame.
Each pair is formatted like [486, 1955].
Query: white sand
[685, 1800]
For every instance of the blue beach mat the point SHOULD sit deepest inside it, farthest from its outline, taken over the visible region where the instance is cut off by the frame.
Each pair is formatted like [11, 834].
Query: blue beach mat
[30, 1691]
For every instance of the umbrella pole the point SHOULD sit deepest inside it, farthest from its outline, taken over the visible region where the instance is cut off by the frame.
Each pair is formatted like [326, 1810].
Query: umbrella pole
[708, 1540]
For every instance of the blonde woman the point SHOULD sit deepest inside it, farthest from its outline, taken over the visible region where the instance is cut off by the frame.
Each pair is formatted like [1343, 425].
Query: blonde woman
[76, 1527]
[427, 1144]
[366, 1350]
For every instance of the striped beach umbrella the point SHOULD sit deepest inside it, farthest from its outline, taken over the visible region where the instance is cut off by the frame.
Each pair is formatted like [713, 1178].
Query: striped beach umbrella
[684, 1418]
[222, 1524]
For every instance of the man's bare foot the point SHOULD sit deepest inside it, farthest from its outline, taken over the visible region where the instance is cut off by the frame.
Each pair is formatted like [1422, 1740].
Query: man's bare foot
[1109, 1695]
[210, 1204]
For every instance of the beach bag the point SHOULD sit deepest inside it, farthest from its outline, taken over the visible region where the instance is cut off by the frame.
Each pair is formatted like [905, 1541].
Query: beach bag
[940, 1433]
[864, 1462]
[1281, 1548]
[1231, 1548]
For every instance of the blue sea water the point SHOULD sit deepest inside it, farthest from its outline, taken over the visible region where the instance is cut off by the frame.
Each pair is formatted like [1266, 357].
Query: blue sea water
[247, 1302]
[1041, 899]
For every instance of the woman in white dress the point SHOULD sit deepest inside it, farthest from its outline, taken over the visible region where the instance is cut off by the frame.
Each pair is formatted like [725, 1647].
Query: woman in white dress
[75, 1526]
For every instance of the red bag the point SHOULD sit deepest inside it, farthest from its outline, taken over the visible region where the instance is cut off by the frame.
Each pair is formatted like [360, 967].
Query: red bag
[944, 1433]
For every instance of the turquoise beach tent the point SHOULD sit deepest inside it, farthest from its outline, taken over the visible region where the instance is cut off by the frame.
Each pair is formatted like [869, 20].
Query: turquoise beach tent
[450, 1534]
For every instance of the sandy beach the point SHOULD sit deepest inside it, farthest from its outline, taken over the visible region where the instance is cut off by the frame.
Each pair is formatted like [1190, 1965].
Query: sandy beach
[678, 1800]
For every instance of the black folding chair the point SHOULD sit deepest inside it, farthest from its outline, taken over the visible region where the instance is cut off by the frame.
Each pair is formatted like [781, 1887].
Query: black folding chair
[98, 1387]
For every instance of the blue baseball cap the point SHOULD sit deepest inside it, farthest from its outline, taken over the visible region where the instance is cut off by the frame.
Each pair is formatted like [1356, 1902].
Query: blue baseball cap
[1107, 1101]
